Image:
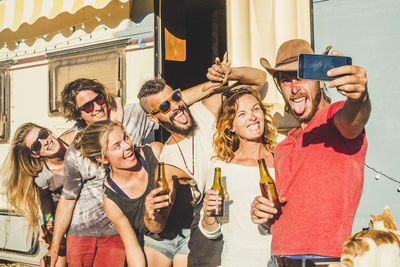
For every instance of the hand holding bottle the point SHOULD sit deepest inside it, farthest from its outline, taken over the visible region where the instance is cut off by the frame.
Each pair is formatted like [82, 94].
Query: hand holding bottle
[263, 210]
[154, 202]
[212, 201]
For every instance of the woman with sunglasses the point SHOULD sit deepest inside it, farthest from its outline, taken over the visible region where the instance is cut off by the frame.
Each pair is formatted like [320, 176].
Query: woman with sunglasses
[245, 133]
[33, 172]
[129, 192]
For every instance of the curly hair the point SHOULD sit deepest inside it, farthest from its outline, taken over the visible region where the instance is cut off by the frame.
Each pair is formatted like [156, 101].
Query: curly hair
[93, 140]
[225, 141]
[17, 172]
[72, 89]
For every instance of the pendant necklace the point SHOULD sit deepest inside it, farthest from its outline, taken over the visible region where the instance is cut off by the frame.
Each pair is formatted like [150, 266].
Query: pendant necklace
[184, 161]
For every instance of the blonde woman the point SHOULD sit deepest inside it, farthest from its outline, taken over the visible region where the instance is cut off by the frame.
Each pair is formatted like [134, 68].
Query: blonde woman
[129, 192]
[33, 173]
[245, 133]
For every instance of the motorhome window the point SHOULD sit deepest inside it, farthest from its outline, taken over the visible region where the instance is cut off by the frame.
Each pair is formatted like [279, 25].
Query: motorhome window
[108, 67]
[4, 105]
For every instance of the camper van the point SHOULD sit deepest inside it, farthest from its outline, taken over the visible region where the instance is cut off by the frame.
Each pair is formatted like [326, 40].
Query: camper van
[122, 43]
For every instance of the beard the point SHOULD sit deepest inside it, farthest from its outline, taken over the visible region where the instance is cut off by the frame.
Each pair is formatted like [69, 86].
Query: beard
[314, 108]
[173, 128]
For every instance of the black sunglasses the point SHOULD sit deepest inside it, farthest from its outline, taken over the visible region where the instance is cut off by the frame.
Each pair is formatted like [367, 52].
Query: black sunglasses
[89, 106]
[37, 146]
[165, 106]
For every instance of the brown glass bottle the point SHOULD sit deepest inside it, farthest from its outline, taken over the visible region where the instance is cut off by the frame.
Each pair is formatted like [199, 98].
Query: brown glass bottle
[47, 261]
[217, 186]
[268, 189]
[161, 180]
[47, 235]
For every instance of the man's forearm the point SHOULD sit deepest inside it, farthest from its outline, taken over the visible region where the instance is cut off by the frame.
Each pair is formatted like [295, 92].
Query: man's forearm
[63, 218]
[248, 75]
[354, 116]
[196, 93]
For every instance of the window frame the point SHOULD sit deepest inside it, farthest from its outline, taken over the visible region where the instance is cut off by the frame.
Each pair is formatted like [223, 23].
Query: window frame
[57, 58]
[5, 99]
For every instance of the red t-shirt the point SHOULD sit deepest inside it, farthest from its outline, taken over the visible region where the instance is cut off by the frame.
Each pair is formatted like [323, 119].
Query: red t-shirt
[321, 174]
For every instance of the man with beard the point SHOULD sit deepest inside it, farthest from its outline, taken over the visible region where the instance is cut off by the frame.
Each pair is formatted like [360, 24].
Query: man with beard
[190, 146]
[320, 165]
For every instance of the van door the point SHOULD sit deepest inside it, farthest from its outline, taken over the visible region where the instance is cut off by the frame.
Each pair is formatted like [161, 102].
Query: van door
[191, 34]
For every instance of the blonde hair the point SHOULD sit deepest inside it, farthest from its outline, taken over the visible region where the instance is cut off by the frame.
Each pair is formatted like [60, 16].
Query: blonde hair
[18, 171]
[93, 140]
[227, 142]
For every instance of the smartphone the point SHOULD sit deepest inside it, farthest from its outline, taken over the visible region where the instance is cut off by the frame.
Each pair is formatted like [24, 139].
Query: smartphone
[315, 67]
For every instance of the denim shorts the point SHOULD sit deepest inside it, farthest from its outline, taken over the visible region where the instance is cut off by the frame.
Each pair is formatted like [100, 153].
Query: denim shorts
[170, 247]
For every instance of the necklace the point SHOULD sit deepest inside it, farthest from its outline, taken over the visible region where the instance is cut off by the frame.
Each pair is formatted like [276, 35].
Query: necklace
[184, 161]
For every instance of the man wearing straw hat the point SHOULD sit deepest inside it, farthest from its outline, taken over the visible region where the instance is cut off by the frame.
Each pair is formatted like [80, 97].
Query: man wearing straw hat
[320, 165]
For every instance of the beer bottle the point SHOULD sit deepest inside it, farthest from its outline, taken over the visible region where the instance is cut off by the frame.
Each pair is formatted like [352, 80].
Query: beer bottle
[47, 261]
[47, 233]
[268, 189]
[161, 180]
[217, 186]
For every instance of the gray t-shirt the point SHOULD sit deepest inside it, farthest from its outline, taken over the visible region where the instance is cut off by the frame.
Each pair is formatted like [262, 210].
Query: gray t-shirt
[47, 180]
[83, 180]
[135, 122]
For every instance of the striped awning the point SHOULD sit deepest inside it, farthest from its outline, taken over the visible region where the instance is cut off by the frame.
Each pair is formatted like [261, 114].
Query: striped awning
[14, 13]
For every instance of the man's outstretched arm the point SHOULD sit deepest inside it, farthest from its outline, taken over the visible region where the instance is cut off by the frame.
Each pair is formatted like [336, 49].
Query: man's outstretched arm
[351, 119]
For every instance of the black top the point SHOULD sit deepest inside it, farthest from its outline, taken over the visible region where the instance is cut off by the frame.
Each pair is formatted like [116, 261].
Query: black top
[181, 214]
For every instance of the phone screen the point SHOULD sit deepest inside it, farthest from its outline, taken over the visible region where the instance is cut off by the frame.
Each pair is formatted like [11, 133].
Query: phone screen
[315, 67]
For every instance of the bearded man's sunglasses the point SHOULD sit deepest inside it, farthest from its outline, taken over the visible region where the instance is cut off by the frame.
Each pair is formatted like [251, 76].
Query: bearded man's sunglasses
[165, 106]
[89, 106]
[37, 146]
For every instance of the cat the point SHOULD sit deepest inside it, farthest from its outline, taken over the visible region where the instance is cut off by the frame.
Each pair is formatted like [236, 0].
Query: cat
[378, 246]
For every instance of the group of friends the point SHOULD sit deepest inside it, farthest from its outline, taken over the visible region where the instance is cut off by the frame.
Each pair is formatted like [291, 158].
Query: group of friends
[98, 178]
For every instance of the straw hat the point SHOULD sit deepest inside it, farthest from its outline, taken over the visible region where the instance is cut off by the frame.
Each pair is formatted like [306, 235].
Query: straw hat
[287, 56]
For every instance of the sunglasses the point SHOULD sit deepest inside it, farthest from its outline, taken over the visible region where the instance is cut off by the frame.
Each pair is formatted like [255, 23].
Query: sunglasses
[165, 106]
[89, 106]
[37, 146]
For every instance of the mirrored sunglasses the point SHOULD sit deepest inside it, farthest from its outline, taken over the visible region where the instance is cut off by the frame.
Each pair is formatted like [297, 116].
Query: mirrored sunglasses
[89, 106]
[165, 106]
[37, 146]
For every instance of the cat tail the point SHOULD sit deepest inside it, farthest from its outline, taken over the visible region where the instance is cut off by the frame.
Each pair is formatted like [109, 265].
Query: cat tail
[352, 247]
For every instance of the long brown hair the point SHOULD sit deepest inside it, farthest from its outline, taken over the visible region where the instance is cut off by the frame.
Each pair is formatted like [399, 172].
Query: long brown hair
[225, 141]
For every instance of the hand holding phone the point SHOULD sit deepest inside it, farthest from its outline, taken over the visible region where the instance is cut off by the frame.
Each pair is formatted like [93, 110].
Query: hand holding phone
[315, 67]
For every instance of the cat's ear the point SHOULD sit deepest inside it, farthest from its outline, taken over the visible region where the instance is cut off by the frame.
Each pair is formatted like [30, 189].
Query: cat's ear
[373, 218]
[387, 210]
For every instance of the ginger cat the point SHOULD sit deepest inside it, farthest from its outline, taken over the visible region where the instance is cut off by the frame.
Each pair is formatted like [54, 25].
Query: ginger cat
[377, 247]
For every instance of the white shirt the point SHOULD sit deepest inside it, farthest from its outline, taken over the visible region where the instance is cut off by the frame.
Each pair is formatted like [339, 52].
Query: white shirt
[245, 243]
[203, 149]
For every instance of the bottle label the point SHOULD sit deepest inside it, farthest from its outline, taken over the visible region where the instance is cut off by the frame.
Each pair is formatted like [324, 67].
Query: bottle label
[48, 217]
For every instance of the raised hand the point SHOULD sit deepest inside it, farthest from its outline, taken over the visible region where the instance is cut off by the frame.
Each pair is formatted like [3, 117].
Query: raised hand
[353, 83]
[219, 71]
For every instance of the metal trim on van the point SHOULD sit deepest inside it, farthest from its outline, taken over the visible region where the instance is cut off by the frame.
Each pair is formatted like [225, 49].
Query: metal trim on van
[89, 49]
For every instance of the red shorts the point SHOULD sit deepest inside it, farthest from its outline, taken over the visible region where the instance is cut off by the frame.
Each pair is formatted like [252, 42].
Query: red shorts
[95, 251]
